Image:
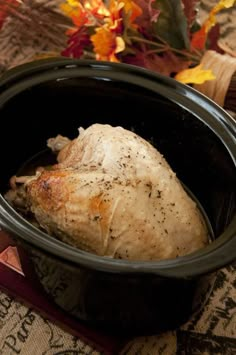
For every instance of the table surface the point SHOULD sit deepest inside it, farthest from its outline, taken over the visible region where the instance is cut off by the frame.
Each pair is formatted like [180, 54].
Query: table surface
[211, 331]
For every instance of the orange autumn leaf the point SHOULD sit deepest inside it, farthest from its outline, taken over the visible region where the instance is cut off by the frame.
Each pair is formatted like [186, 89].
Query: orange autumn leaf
[76, 12]
[70, 8]
[71, 31]
[81, 19]
[107, 44]
[199, 38]
[224, 4]
[211, 21]
[132, 9]
[196, 75]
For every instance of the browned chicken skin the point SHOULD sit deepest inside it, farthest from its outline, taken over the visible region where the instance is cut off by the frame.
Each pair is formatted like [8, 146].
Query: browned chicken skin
[113, 194]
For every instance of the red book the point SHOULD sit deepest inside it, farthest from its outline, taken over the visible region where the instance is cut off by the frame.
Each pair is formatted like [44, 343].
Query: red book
[26, 289]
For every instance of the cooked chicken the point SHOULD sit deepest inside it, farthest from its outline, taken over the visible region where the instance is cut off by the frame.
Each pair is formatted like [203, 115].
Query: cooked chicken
[113, 194]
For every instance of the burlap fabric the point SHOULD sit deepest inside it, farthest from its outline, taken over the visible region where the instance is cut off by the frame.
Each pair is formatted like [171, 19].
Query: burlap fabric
[23, 331]
[211, 331]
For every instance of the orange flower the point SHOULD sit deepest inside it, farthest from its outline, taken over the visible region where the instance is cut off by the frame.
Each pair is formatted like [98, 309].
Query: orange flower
[196, 75]
[107, 44]
[96, 7]
[199, 38]
[114, 20]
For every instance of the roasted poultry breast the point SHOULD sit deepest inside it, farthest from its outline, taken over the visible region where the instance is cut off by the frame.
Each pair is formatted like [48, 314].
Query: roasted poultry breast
[113, 194]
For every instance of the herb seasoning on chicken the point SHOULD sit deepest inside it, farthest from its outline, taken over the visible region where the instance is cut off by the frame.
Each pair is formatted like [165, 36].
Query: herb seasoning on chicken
[113, 194]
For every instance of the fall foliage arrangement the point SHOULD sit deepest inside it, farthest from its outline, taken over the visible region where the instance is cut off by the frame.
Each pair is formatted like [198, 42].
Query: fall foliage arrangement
[160, 35]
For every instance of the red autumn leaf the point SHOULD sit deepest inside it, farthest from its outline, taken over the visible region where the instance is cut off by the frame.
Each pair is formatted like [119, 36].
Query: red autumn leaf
[199, 38]
[166, 64]
[154, 13]
[213, 37]
[77, 43]
[202, 38]
[150, 14]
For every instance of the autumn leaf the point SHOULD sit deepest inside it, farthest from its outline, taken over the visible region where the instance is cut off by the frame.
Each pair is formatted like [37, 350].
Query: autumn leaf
[190, 11]
[154, 13]
[196, 75]
[212, 39]
[68, 9]
[149, 14]
[167, 64]
[172, 24]
[78, 41]
[200, 37]
[225, 4]
[133, 9]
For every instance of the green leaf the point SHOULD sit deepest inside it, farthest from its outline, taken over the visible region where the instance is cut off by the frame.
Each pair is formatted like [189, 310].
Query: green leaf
[172, 24]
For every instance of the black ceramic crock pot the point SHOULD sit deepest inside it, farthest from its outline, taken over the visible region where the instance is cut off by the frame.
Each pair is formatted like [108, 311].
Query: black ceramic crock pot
[45, 98]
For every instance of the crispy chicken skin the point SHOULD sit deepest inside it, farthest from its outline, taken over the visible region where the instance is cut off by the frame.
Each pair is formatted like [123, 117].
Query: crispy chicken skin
[113, 194]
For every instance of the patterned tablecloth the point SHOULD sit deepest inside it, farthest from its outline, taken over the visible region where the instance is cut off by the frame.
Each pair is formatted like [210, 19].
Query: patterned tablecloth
[212, 330]
[24, 331]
